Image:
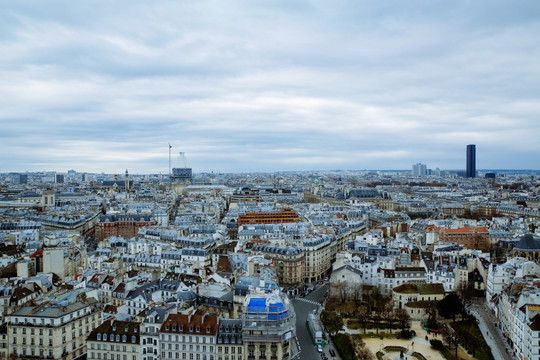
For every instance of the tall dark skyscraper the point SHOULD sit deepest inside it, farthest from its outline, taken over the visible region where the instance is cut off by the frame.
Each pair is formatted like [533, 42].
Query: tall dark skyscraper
[471, 161]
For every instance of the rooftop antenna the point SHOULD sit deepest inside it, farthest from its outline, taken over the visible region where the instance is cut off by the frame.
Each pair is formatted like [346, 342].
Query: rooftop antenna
[170, 172]
[170, 159]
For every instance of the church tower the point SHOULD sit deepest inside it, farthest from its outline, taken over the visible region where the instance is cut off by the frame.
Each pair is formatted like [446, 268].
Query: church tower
[126, 184]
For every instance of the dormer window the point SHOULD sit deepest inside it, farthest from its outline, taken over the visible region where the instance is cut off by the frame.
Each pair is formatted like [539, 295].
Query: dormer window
[124, 338]
[174, 328]
[104, 337]
[99, 336]
[167, 327]
[197, 329]
[191, 328]
[117, 338]
[208, 330]
[133, 339]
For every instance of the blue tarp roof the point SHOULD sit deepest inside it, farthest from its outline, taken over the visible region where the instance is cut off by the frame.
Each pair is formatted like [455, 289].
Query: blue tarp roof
[275, 311]
[257, 305]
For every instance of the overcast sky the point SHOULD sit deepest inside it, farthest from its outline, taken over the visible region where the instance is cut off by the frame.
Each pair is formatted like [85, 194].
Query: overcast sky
[104, 86]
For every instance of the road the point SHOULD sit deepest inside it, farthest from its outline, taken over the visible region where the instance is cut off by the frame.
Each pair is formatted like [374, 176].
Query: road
[491, 333]
[302, 307]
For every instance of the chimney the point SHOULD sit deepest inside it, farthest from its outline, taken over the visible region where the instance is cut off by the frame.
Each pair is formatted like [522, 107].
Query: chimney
[203, 317]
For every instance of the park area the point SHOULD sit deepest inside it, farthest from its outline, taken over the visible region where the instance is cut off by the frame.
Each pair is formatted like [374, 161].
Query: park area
[377, 331]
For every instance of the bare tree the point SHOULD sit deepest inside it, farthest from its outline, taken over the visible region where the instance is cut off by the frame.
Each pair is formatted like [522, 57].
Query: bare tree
[403, 318]
[387, 316]
[431, 311]
[363, 314]
[356, 293]
[452, 338]
[365, 354]
[376, 318]
[466, 293]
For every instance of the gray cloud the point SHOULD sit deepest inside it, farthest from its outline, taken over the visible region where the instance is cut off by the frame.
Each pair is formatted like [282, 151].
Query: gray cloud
[268, 86]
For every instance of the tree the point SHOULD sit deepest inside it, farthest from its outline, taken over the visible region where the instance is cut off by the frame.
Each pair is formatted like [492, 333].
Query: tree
[387, 316]
[403, 318]
[365, 354]
[356, 293]
[431, 311]
[450, 306]
[376, 321]
[466, 294]
[332, 321]
[452, 338]
[362, 314]
[375, 298]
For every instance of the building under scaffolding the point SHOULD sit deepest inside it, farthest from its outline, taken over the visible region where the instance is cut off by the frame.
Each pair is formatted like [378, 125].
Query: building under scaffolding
[269, 324]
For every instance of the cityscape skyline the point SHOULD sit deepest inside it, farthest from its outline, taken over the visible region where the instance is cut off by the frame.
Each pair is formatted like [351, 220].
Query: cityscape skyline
[245, 87]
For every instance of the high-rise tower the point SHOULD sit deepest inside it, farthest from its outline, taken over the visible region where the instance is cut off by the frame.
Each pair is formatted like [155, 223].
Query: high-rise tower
[471, 161]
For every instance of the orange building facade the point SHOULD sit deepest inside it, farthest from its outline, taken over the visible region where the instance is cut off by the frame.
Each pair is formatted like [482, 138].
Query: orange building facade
[274, 217]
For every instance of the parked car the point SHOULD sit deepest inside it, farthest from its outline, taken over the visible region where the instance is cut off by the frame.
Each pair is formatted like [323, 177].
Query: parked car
[319, 348]
[332, 352]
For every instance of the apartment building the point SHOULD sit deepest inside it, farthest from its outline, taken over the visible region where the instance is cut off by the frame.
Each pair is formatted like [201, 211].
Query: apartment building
[269, 326]
[115, 340]
[288, 262]
[189, 336]
[150, 342]
[230, 344]
[319, 255]
[52, 331]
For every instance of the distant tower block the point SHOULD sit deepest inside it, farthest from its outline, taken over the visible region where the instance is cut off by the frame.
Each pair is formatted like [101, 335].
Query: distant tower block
[471, 161]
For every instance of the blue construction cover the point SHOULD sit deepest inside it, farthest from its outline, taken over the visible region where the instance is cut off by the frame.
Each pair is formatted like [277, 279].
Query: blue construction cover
[277, 311]
[276, 307]
[257, 305]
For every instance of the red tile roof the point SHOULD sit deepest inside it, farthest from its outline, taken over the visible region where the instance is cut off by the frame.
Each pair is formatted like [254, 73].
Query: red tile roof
[466, 230]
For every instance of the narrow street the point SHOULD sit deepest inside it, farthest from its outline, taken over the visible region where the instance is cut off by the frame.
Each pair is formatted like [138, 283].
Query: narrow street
[302, 307]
